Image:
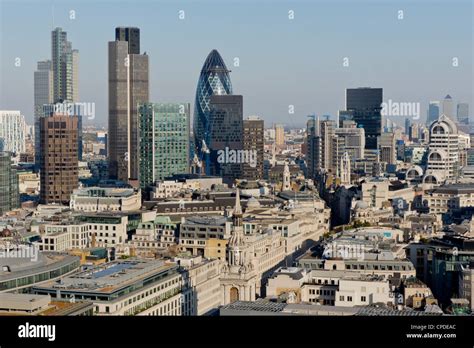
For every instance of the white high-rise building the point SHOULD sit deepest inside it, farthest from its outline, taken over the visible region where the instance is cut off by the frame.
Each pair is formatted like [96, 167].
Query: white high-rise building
[443, 151]
[13, 131]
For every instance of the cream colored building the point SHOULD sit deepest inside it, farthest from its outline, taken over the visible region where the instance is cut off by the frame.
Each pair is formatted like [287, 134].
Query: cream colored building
[97, 199]
[205, 287]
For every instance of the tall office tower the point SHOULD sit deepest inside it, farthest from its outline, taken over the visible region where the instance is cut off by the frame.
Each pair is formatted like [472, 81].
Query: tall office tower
[163, 141]
[327, 131]
[313, 148]
[13, 131]
[128, 86]
[448, 108]
[279, 135]
[350, 139]
[72, 109]
[414, 132]
[130, 35]
[59, 158]
[366, 104]
[387, 148]
[43, 89]
[214, 79]
[347, 139]
[65, 62]
[9, 197]
[75, 75]
[432, 113]
[463, 113]
[226, 137]
[407, 125]
[443, 151]
[253, 128]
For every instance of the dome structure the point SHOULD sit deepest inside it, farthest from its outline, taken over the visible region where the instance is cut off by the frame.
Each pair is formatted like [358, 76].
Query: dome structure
[253, 203]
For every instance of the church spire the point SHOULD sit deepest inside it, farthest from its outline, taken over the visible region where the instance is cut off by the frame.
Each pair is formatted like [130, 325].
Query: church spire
[237, 214]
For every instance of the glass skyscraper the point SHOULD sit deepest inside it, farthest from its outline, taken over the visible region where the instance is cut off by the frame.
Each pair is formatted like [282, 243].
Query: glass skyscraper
[433, 112]
[9, 197]
[226, 133]
[65, 68]
[213, 80]
[163, 141]
[366, 104]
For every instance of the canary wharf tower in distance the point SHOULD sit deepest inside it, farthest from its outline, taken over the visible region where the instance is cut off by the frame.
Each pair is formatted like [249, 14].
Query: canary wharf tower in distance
[213, 80]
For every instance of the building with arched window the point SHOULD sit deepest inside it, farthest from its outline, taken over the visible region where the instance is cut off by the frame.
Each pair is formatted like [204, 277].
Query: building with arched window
[443, 151]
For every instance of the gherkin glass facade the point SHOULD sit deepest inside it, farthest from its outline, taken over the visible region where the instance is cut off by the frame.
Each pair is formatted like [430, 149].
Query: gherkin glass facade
[213, 80]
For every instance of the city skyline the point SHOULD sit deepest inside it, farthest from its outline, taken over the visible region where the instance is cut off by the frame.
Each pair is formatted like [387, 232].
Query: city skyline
[272, 158]
[316, 84]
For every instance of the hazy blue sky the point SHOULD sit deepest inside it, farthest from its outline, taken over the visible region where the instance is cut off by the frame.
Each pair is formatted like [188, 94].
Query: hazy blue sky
[282, 61]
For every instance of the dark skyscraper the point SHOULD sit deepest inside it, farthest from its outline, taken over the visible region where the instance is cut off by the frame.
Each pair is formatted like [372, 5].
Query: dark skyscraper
[213, 80]
[254, 144]
[132, 36]
[407, 125]
[313, 148]
[9, 196]
[366, 105]
[226, 136]
[58, 141]
[128, 86]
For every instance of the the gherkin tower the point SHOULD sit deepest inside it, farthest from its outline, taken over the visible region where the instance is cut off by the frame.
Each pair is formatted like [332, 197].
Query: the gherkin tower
[213, 80]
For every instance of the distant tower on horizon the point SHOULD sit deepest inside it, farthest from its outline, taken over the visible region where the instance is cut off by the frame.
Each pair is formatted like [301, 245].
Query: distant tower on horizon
[462, 113]
[279, 135]
[65, 61]
[433, 112]
[448, 108]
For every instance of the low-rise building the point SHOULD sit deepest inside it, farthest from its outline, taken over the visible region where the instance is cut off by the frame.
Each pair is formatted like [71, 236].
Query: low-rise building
[93, 199]
[126, 287]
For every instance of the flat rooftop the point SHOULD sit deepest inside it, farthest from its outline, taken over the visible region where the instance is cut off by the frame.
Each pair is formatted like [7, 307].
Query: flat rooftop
[206, 220]
[109, 277]
[18, 267]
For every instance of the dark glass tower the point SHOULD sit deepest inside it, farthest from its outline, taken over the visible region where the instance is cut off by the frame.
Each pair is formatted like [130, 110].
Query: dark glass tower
[366, 105]
[128, 86]
[226, 134]
[132, 36]
[213, 80]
